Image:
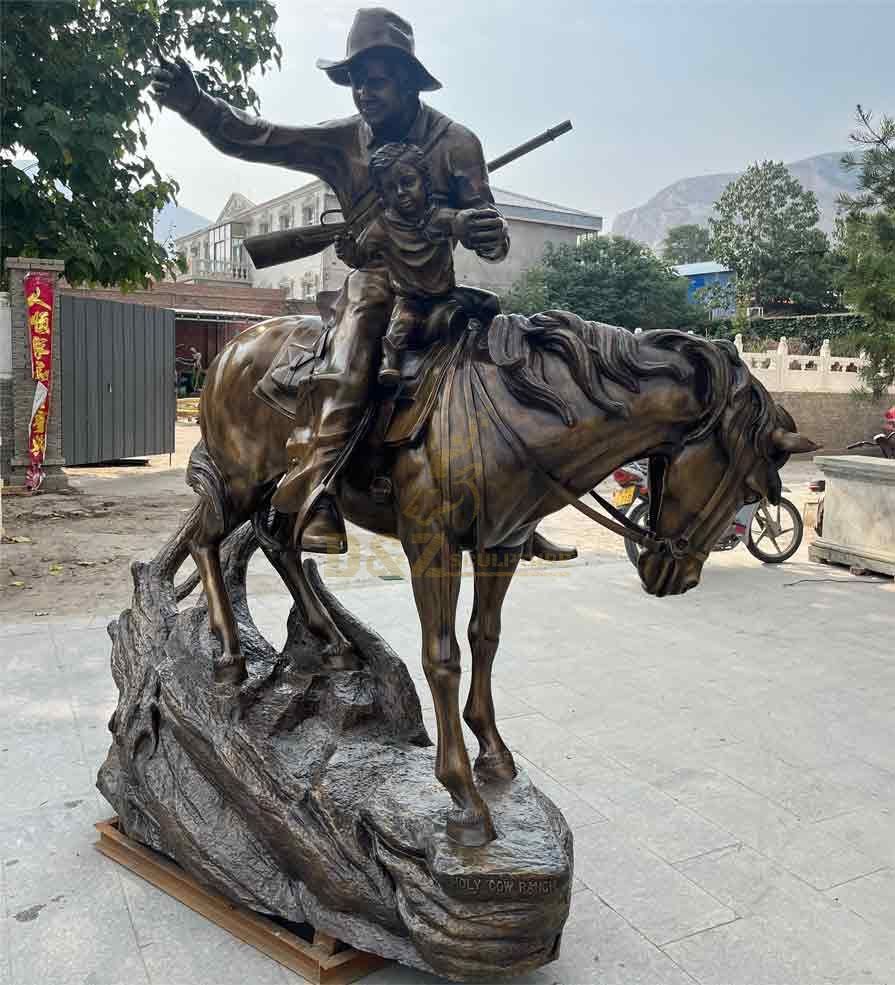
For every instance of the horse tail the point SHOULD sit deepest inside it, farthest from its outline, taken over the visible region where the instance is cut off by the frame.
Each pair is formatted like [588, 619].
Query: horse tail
[204, 476]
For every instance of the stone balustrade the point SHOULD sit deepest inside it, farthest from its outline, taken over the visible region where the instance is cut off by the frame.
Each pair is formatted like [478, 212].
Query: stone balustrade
[784, 372]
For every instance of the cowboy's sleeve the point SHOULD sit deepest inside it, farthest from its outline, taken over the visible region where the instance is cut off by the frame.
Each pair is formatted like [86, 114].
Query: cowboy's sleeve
[315, 149]
[469, 178]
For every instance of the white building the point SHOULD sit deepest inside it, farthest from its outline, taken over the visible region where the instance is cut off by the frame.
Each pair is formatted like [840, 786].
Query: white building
[216, 252]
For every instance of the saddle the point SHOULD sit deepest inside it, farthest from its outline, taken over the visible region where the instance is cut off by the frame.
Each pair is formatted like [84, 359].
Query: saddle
[425, 364]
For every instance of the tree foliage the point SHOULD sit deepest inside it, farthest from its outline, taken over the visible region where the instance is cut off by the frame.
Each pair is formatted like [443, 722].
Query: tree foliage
[765, 230]
[73, 98]
[866, 232]
[688, 243]
[610, 279]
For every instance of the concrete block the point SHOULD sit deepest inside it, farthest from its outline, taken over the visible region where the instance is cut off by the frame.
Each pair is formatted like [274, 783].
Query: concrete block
[859, 513]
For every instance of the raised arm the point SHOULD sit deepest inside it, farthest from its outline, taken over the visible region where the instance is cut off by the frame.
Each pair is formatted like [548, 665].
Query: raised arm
[315, 149]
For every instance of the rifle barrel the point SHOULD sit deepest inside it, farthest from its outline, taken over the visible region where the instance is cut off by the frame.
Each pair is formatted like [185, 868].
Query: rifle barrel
[269, 249]
[530, 145]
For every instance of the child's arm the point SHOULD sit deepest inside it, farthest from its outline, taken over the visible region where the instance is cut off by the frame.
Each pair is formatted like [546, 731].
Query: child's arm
[442, 225]
[359, 252]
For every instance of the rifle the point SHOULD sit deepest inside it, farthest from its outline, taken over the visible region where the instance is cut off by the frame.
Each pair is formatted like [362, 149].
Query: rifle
[269, 249]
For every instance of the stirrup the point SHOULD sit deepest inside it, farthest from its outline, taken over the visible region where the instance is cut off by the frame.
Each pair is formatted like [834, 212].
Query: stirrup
[324, 532]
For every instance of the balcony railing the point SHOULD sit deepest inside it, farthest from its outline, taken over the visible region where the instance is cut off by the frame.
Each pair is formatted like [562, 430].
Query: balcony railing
[200, 267]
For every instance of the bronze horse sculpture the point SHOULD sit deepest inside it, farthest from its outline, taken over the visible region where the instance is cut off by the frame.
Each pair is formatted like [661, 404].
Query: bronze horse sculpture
[533, 412]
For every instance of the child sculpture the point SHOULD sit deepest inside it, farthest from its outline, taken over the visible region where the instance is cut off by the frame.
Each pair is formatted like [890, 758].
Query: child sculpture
[415, 239]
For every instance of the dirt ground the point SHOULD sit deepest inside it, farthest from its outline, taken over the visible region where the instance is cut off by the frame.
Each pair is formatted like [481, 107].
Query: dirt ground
[69, 553]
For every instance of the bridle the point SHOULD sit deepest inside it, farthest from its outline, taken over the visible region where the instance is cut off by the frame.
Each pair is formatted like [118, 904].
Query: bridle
[678, 547]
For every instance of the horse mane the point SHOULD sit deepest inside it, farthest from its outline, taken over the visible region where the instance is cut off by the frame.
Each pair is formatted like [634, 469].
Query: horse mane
[595, 353]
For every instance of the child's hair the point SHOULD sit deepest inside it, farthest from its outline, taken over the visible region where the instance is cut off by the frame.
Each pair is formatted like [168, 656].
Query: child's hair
[388, 156]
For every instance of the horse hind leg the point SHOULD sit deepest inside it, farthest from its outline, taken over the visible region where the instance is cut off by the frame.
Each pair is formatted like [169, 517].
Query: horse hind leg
[216, 519]
[276, 542]
[494, 571]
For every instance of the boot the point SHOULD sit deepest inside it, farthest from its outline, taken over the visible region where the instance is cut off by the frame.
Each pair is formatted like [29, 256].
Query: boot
[389, 372]
[324, 533]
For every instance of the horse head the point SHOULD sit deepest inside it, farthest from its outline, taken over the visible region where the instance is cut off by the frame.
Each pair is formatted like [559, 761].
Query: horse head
[698, 488]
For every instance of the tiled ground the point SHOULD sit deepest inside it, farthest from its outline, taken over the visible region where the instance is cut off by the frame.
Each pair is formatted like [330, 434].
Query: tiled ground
[726, 760]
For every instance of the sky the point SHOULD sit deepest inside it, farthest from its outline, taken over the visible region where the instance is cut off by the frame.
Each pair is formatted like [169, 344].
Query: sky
[656, 91]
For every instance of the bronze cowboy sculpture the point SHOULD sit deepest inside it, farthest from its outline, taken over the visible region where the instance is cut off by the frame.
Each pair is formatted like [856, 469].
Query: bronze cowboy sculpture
[512, 418]
[386, 79]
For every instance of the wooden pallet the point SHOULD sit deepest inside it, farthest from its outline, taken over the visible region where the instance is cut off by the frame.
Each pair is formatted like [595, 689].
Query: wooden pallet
[319, 961]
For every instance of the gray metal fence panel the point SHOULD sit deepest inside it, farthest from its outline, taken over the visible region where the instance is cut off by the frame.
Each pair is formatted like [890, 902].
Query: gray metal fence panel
[117, 364]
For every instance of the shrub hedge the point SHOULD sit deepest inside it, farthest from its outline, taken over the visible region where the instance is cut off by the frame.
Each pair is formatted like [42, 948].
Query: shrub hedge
[811, 330]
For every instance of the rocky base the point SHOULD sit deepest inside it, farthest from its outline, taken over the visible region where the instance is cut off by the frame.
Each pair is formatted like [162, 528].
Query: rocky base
[311, 795]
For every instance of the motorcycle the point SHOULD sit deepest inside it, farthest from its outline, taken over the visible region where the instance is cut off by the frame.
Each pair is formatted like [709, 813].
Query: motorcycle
[757, 525]
[884, 441]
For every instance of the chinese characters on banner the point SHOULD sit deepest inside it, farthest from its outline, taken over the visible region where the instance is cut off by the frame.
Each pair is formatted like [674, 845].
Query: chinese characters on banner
[39, 301]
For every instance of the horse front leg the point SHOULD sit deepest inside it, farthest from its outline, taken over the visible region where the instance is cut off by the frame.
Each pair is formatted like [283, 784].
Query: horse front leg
[435, 574]
[494, 571]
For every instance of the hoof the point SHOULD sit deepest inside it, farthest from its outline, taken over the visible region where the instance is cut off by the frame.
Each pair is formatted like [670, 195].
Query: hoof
[230, 670]
[495, 766]
[339, 657]
[470, 828]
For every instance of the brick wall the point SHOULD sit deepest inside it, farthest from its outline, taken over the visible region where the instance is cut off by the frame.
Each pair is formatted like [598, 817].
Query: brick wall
[835, 420]
[205, 297]
[7, 427]
[7, 432]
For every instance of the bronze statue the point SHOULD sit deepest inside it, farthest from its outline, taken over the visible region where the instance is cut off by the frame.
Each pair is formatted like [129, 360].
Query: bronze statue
[508, 419]
[414, 239]
[386, 78]
[531, 414]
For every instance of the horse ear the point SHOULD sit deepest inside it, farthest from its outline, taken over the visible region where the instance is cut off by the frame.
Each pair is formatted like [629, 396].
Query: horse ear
[791, 442]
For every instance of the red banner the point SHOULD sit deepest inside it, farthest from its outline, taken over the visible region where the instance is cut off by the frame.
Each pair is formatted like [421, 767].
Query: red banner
[39, 300]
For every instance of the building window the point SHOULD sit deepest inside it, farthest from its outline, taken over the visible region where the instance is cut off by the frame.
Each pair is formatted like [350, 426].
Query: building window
[309, 286]
[308, 215]
[285, 220]
[219, 237]
[263, 227]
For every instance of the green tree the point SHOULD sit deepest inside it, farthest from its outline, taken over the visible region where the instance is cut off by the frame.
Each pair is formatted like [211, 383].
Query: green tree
[866, 231]
[607, 278]
[688, 243]
[765, 230]
[74, 76]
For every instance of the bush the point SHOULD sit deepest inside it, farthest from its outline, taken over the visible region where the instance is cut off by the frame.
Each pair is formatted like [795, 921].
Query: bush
[810, 330]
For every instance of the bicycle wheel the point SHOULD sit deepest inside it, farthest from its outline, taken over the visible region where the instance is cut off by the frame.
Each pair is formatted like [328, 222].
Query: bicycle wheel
[640, 516]
[776, 532]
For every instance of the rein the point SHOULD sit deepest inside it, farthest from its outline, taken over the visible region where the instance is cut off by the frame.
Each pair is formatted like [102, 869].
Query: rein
[678, 547]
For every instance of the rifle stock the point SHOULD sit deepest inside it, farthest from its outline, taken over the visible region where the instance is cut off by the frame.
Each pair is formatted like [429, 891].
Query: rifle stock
[269, 249]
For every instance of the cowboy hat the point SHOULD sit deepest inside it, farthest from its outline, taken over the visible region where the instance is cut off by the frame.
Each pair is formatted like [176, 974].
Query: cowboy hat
[378, 29]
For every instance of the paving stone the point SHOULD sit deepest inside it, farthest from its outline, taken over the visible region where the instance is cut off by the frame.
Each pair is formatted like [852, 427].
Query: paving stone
[50, 851]
[873, 897]
[814, 855]
[76, 939]
[739, 876]
[600, 948]
[577, 812]
[749, 952]
[550, 747]
[870, 831]
[179, 945]
[649, 893]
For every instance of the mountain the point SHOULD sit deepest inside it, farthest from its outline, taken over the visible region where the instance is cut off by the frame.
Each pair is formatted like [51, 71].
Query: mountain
[174, 221]
[691, 199]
